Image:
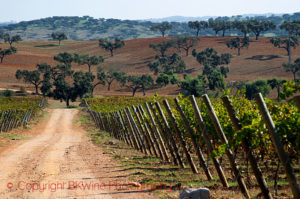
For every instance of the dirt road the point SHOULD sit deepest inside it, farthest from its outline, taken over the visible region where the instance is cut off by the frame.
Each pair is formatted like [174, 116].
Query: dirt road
[61, 162]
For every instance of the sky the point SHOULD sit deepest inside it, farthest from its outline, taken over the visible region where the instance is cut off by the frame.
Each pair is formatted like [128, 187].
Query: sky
[25, 10]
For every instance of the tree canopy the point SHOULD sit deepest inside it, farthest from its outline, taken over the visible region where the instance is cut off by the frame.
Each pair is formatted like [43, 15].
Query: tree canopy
[110, 46]
[186, 43]
[285, 43]
[162, 47]
[88, 60]
[60, 36]
[163, 27]
[138, 82]
[11, 39]
[32, 77]
[168, 64]
[5, 52]
[257, 27]
[238, 43]
[198, 26]
[220, 25]
[258, 86]
[293, 68]
[193, 86]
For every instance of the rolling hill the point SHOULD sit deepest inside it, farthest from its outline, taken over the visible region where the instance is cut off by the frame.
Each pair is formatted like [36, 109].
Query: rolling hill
[260, 60]
[87, 28]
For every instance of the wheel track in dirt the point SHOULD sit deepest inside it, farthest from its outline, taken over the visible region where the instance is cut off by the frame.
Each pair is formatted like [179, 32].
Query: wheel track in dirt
[61, 155]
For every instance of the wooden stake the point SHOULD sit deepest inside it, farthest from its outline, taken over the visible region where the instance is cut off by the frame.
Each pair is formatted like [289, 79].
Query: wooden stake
[195, 143]
[222, 136]
[208, 142]
[284, 158]
[179, 134]
[161, 144]
[170, 136]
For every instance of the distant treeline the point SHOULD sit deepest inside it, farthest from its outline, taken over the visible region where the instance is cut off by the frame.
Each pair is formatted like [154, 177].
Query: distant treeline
[88, 28]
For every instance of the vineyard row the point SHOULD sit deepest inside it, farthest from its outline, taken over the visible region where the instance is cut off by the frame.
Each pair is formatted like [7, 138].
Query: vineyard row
[15, 117]
[154, 133]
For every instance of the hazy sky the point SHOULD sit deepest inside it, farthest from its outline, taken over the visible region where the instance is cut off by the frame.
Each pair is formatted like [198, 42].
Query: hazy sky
[24, 10]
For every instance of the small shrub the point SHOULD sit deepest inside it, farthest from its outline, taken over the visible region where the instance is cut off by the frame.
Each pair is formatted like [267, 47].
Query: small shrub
[8, 93]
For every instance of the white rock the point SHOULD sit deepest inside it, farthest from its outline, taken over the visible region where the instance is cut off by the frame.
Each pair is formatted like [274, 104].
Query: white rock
[195, 193]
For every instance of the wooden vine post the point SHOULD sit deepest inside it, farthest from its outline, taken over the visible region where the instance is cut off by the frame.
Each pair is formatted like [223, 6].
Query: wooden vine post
[127, 134]
[162, 146]
[137, 131]
[224, 140]
[208, 142]
[131, 131]
[142, 131]
[164, 134]
[195, 143]
[169, 135]
[297, 100]
[284, 158]
[181, 139]
[149, 131]
[247, 147]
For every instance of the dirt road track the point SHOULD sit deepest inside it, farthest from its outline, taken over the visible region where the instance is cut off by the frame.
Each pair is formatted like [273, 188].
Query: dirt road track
[61, 162]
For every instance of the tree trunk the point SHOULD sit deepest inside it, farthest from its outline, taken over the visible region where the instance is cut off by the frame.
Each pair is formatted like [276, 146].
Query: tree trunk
[256, 36]
[186, 52]
[289, 54]
[68, 102]
[2, 59]
[245, 34]
[89, 68]
[295, 79]
[111, 52]
[276, 178]
[198, 32]
[163, 34]
[108, 88]
[59, 42]
[92, 90]
[223, 33]
[144, 91]
[133, 92]
[239, 51]
[278, 93]
[36, 89]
